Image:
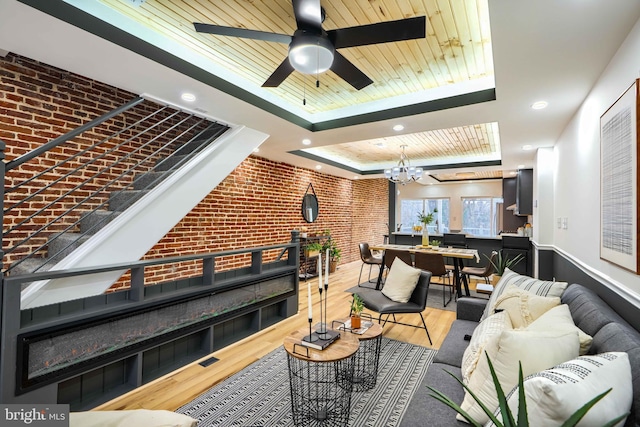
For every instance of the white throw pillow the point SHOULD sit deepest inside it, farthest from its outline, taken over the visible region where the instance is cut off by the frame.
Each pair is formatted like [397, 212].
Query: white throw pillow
[523, 306]
[401, 281]
[559, 318]
[535, 350]
[488, 328]
[129, 418]
[539, 287]
[556, 393]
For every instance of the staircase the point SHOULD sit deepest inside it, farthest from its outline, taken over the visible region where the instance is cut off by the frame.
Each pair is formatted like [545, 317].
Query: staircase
[60, 245]
[133, 219]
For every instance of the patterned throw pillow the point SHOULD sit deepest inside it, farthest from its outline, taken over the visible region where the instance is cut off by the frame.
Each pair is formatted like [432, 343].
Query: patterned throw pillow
[523, 306]
[539, 287]
[554, 394]
[534, 349]
[490, 327]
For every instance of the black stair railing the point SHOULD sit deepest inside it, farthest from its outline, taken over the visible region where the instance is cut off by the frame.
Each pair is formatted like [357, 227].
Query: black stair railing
[56, 198]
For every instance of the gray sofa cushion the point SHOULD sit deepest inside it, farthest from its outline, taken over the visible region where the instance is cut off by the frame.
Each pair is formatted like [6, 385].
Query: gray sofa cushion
[588, 311]
[424, 410]
[454, 344]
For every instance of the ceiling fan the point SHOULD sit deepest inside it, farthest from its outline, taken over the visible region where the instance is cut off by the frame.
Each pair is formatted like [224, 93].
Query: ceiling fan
[312, 50]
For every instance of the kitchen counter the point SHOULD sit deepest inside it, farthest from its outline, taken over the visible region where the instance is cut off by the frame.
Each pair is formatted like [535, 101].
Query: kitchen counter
[469, 236]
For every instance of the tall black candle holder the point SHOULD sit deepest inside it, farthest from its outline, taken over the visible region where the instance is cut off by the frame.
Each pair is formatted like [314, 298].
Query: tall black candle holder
[312, 337]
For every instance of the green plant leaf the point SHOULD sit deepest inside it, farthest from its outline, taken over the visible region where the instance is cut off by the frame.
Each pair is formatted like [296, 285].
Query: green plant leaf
[523, 420]
[486, 410]
[507, 416]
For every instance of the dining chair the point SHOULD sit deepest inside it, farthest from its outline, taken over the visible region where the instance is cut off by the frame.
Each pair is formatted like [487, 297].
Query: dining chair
[368, 259]
[391, 254]
[482, 272]
[434, 263]
[376, 301]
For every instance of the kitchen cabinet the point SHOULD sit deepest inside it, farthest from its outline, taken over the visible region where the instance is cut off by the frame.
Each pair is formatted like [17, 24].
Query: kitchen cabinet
[524, 192]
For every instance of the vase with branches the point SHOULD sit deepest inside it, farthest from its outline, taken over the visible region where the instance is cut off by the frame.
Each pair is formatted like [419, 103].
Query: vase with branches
[425, 219]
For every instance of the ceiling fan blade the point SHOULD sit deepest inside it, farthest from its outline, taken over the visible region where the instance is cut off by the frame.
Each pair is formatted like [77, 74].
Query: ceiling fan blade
[308, 14]
[383, 32]
[241, 32]
[349, 72]
[280, 74]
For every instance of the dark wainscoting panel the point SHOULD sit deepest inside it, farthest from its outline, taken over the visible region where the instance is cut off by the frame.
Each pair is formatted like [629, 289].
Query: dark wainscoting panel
[565, 270]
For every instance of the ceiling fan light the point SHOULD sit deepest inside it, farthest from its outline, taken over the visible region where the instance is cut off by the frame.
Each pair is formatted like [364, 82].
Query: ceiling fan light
[311, 54]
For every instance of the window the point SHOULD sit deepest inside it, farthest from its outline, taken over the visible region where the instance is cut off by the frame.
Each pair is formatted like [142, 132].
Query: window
[479, 216]
[410, 208]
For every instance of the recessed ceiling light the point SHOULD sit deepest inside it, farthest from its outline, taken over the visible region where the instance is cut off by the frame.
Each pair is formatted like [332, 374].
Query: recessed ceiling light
[539, 105]
[398, 128]
[255, 150]
[356, 177]
[306, 141]
[189, 97]
[520, 166]
[527, 147]
[318, 167]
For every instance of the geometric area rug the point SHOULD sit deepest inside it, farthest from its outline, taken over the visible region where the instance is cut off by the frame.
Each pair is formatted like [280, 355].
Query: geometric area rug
[259, 395]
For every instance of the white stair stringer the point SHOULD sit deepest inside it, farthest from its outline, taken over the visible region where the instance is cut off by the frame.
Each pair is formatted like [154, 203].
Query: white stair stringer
[134, 232]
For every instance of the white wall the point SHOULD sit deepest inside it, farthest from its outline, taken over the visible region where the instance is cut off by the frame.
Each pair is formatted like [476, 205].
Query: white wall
[577, 175]
[453, 191]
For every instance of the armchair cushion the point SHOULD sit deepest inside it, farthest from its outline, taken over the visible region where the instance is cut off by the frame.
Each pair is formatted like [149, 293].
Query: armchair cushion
[401, 281]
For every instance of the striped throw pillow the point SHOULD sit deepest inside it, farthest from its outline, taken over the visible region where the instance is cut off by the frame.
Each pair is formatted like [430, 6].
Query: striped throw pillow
[554, 394]
[539, 287]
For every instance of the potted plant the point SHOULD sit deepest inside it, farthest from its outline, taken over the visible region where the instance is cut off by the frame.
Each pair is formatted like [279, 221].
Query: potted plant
[500, 264]
[426, 219]
[356, 310]
[335, 253]
[312, 249]
[435, 243]
[508, 419]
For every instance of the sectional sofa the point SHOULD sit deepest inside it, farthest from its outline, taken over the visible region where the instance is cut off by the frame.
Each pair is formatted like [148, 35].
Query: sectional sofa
[610, 333]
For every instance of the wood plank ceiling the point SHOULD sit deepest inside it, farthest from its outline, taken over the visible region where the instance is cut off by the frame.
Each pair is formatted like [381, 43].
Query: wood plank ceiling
[457, 49]
[475, 143]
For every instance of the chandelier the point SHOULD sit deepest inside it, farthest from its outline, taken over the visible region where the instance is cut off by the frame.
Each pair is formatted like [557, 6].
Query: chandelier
[404, 172]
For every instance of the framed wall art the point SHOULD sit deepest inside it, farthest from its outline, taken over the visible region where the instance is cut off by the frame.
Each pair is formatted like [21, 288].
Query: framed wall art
[619, 181]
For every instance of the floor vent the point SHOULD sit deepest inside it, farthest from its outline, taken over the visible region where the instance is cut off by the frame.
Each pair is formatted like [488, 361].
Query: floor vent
[209, 361]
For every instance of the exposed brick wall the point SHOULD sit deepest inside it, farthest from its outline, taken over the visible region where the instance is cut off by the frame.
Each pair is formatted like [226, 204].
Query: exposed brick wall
[39, 103]
[258, 204]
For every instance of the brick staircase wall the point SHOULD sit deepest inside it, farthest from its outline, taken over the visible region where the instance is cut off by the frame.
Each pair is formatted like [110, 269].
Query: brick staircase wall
[258, 204]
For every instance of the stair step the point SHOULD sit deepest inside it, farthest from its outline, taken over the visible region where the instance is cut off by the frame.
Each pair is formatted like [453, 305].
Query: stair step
[120, 201]
[149, 180]
[29, 266]
[169, 163]
[62, 244]
[96, 220]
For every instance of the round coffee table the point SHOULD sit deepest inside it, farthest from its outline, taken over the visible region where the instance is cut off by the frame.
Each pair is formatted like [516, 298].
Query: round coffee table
[320, 380]
[366, 359]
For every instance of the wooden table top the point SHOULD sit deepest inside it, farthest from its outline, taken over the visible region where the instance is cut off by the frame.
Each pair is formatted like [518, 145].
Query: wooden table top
[343, 347]
[448, 252]
[374, 330]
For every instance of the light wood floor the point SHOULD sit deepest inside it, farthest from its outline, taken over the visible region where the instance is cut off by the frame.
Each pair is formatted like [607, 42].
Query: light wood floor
[181, 386]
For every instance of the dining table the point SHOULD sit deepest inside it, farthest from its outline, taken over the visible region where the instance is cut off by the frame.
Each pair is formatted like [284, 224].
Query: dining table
[458, 255]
